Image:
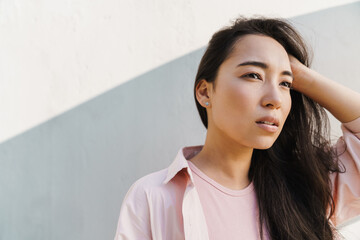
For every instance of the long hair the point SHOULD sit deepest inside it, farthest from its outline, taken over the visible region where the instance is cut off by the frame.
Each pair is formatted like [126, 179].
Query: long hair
[291, 178]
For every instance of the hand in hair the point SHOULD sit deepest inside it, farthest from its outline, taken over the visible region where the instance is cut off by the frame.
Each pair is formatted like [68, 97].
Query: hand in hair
[342, 102]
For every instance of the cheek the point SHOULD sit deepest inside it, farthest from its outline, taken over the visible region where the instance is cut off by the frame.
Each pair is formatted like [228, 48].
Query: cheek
[233, 105]
[244, 92]
[236, 99]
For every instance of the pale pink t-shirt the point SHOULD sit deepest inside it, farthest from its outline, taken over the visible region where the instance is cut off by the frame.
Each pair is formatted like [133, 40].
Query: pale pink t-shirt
[230, 214]
[166, 204]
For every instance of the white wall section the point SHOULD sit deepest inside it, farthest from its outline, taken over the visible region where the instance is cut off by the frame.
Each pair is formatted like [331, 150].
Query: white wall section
[56, 55]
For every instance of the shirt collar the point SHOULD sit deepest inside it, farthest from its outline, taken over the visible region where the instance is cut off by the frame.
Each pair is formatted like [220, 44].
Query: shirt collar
[180, 162]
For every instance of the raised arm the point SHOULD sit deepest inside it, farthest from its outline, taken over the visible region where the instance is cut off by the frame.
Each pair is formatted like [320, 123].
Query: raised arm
[342, 102]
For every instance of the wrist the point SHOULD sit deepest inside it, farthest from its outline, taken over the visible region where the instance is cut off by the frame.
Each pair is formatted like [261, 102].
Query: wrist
[304, 78]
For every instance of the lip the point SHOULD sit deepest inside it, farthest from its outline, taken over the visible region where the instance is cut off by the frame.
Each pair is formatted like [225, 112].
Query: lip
[267, 127]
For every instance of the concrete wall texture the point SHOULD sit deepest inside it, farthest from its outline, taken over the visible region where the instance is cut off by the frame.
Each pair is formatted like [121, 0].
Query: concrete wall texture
[95, 94]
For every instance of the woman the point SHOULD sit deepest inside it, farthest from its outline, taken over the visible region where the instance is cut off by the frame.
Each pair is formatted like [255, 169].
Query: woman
[266, 169]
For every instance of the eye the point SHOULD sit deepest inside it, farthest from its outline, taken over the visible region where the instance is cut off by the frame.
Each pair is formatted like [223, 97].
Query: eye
[252, 75]
[286, 84]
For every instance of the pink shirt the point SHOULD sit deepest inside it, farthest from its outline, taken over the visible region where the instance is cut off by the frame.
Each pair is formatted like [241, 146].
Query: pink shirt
[166, 205]
[228, 213]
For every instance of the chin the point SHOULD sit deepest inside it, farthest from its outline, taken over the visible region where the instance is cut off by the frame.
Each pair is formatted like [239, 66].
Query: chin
[263, 148]
[264, 145]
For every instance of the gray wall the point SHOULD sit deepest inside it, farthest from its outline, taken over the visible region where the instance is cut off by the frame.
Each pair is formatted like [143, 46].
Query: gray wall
[65, 179]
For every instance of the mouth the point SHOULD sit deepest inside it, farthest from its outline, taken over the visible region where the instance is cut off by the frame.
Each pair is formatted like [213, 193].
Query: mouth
[268, 123]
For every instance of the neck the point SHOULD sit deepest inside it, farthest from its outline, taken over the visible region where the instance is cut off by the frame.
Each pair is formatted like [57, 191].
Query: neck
[224, 161]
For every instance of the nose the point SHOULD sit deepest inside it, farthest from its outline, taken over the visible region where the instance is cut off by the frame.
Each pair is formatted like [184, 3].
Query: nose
[272, 97]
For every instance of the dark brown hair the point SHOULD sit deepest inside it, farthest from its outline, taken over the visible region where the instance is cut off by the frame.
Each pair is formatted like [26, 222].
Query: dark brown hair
[291, 178]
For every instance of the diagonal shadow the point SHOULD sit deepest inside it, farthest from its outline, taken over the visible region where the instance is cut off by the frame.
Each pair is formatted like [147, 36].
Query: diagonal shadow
[65, 179]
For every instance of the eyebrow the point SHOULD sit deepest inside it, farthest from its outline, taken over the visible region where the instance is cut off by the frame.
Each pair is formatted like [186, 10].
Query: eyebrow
[263, 66]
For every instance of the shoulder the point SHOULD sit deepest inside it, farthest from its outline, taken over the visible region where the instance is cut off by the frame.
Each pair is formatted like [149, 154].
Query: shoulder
[137, 200]
[148, 182]
[345, 185]
[152, 180]
[152, 188]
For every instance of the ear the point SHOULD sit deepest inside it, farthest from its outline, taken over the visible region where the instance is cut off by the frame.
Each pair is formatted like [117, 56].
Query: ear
[203, 93]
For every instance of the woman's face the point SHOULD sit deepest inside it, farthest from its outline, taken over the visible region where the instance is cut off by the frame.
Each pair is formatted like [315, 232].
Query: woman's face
[251, 100]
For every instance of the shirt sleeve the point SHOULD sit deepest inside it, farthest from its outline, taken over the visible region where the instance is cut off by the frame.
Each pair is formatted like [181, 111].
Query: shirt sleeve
[134, 219]
[346, 185]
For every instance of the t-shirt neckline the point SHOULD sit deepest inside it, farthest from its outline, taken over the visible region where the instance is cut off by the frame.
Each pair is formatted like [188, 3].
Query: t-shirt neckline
[218, 186]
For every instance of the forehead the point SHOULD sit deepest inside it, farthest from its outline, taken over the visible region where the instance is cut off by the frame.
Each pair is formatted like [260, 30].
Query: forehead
[259, 48]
